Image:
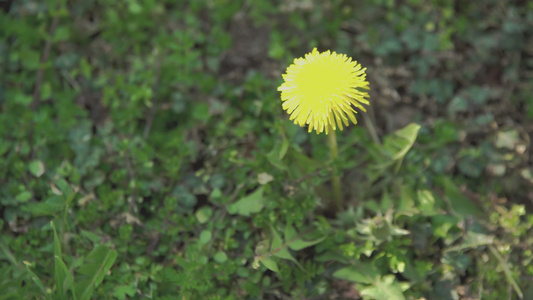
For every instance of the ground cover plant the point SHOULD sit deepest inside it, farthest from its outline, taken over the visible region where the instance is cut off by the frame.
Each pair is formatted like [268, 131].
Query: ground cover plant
[145, 152]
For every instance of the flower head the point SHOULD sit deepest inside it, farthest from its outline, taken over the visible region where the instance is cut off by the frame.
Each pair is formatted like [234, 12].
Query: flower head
[322, 89]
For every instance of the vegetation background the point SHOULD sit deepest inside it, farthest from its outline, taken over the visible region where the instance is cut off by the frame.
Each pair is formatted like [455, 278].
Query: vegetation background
[144, 153]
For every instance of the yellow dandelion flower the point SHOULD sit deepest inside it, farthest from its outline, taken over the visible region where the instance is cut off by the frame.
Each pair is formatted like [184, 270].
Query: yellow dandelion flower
[322, 89]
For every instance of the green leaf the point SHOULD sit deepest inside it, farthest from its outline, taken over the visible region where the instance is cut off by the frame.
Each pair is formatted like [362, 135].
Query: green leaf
[200, 111]
[64, 187]
[472, 241]
[250, 204]
[385, 288]
[406, 205]
[280, 249]
[66, 190]
[277, 242]
[360, 273]
[203, 215]
[471, 165]
[49, 207]
[205, 236]
[458, 202]
[284, 148]
[442, 224]
[445, 131]
[7, 253]
[122, 290]
[85, 68]
[69, 279]
[426, 203]
[300, 244]
[97, 263]
[36, 280]
[290, 233]
[37, 168]
[397, 144]
[276, 155]
[220, 257]
[61, 33]
[93, 237]
[23, 196]
[59, 274]
[270, 264]
[4, 146]
[402, 140]
[296, 243]
[304, 162]
[46, 90]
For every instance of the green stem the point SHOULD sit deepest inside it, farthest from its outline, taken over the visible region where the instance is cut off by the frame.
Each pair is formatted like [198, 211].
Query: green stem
[336, 204]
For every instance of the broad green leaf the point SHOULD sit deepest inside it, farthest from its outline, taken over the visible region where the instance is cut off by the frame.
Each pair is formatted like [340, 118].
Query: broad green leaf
[472, 241]
[290, 233]
[220, 257]
[122, 290]
[277, 242]
[200, 111]
[442, 224]
[297, 243]
[36, 168]
[458, 202]
[7, 253]
[4, 146]
[97, 263]
[360, 273]
[270, 264]
[471, 164]
[203, 215]
[24, 196]
[406, 205]
[205, 236]
[300, 244]
[330, 256]
[445, 132]
[275, 156]
[85, 68]
[66, 190]
[49, 207]
[426, 203]
[93, 237]
[303, 162]
[250, 204]
[385, 288]
[46, 90]
[399, 142]
[62, 33]
[64, 187]
[280, 249]
[283, 252]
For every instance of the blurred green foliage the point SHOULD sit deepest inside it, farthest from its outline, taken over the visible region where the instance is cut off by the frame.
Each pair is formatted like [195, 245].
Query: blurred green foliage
[144, 152]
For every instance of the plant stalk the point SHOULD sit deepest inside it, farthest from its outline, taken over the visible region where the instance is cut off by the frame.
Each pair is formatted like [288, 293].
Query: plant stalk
[336, 203]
